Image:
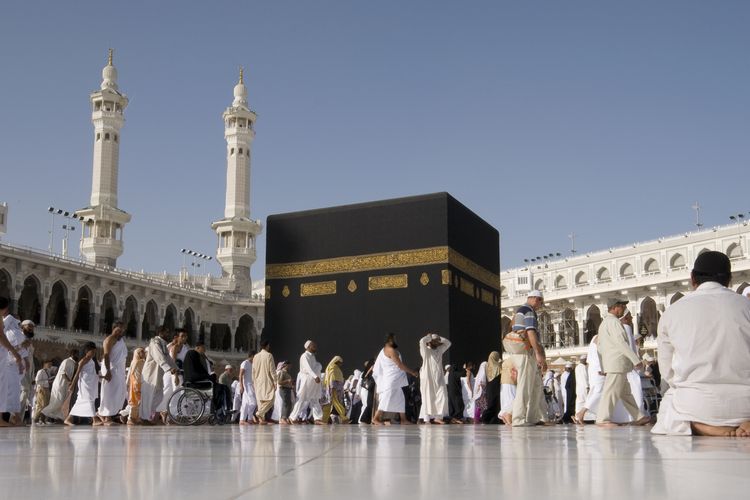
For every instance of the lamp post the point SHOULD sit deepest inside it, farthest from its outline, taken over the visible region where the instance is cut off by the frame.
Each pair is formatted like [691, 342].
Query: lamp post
[738, 218]
[195, 264]
[70, 215]
[67, 228]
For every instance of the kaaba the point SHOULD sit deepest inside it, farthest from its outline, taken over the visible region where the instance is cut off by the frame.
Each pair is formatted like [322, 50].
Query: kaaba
[347, 276]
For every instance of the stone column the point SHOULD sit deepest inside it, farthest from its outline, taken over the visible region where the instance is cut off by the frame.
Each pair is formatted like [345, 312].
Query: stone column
[232, 333]
[140, 312]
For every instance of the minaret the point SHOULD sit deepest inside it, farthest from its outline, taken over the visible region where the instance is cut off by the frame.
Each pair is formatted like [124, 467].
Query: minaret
[237, 231]
[102, 235]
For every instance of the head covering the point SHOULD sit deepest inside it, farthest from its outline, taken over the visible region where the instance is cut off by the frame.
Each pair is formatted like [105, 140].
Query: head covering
[333, 372]
[746, 292]
[647, 357]
[27, 322]
[139, 357]
[446, 367]
[493, 366]
[614, 301]
[228, 367]
[280, 365]
[712, 264]
[536, 293]
[627, 313]
[583, 358]
[307, 344]
[568, 365]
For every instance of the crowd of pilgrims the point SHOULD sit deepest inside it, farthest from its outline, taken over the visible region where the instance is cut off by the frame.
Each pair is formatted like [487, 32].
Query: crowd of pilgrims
[700, 384]
[87, 389]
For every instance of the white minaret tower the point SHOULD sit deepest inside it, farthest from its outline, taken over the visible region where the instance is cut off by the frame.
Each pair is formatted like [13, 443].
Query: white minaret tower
[237, 231]
[101, 238]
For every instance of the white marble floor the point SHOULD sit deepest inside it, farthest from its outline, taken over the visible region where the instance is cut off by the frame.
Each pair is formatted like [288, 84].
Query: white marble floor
[363, 462]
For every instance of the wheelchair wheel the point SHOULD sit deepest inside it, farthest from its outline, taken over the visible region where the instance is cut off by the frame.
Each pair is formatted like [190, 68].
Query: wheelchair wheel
[186, 406]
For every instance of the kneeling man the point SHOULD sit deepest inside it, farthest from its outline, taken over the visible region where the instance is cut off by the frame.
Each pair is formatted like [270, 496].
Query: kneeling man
[704, 354]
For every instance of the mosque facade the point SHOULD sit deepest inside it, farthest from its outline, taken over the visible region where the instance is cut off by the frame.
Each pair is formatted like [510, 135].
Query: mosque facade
[76, 300]
[650, 275]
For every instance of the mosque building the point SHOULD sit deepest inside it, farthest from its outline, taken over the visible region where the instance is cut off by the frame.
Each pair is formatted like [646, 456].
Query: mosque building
[73, 301]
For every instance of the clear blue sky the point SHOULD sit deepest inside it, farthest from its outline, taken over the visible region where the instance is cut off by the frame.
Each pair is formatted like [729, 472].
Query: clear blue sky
[608, 119]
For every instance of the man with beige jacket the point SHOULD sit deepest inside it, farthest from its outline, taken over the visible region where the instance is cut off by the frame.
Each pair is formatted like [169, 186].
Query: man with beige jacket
[617, 360]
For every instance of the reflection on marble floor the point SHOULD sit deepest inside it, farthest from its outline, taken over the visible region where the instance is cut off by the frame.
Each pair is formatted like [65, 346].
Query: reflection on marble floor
[319, 462]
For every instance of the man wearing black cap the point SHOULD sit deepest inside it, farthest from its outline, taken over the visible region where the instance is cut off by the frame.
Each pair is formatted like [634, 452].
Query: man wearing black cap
[704, 354]
[617, 360]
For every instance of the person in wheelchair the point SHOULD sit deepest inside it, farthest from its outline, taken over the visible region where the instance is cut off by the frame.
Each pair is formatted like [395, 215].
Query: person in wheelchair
[195, 368]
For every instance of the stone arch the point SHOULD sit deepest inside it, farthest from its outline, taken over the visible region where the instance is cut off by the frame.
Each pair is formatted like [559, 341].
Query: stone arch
[130, 317]
[593, 320]
[83, 310]
[57, 306]
[108, 313]
[539, 284]
[626, 270]
[603, 275]
[649, 317]
[581, 278]
[651, 266]
[221, 337]
[734, 251]
[560, 282]
[244, 339]
[170, 317]
[677, 261]
[704, 250]
[546, 329]
[6, 284]
[569, 328]
[29, 303]
[188, 322]
[150, 320]
[675, 298]
[506, 324]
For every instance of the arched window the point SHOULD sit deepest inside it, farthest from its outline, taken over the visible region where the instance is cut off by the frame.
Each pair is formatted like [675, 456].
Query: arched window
[677, 262]
[560, 282]
[503, 292]
[734, 251]
[106, 136]
[626, 270]
[602, 275]
[539, 284]
[651, 266]
[240, 151]
[231, 152]
[581, 278]
[98, 136]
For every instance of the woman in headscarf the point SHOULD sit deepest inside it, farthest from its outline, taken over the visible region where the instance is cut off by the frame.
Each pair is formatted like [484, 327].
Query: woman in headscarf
[333, 384]
[135, 374]
[477, 395]
[492, 390]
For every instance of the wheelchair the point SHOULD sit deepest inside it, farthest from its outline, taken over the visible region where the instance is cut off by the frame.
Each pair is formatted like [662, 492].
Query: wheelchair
[192, 404]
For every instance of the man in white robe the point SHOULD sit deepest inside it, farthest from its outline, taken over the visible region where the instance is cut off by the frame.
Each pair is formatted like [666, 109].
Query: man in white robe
[634, 377]
[177, 349]
[390, 377]
[60, 388]
[704, 355]
[15, 369]
[617, 360]
[7, 352]
[308, 385]
[114, 389]
[432, 385]
[582, 383]
[158, 362]
[249, 403]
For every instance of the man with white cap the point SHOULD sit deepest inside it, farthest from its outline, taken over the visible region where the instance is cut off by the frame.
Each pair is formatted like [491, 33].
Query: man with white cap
[27, 380]
[308, 383]
[617, 360]
[432, 385]
[704, 354]
[582, 383]
[15, 368]
[7, 352]
[530, 361]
